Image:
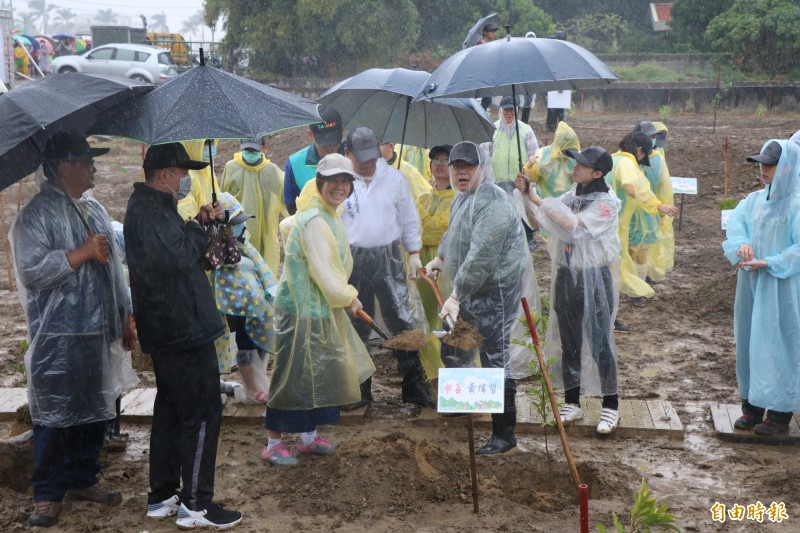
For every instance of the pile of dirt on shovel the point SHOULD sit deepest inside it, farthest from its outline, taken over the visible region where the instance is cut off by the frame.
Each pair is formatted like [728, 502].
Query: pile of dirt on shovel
[464, 336]
[412, 340]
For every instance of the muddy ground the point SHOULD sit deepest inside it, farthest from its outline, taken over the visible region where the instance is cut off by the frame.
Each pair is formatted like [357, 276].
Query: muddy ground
[392, 475]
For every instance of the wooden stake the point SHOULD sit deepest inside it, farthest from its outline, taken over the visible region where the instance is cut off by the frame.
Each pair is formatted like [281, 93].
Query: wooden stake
[473, 471]
[553, 403]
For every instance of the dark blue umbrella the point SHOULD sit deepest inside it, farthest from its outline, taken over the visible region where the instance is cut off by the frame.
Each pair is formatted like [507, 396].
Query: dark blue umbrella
[34, 112]
[517, 65]
[382, 99]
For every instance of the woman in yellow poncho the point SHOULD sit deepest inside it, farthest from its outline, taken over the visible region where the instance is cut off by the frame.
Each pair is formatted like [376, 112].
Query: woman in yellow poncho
[258, 184]
[319, 359]
[633, 190]
[661, 258]
[549, 169]
[434, 214]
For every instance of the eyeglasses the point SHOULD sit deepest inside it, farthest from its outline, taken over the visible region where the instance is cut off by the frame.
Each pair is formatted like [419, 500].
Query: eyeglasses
[440, 161]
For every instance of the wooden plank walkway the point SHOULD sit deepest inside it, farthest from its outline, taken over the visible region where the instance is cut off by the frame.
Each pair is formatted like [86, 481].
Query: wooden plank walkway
[724, 415]
[638, 417]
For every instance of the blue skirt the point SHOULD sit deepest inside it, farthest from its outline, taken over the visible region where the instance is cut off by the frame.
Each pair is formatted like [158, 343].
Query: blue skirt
[297, 421]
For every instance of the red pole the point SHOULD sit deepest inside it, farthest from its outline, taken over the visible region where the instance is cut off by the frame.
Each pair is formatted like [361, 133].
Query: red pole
[583, 493]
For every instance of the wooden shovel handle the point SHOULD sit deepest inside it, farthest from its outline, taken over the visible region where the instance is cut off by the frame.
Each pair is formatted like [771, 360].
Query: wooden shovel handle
[360, 313]
[433, 285]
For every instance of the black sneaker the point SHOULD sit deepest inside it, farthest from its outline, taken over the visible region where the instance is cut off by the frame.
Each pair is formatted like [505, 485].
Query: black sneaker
[770, 427]
[619, 327]
[211, 515]
[747, 421]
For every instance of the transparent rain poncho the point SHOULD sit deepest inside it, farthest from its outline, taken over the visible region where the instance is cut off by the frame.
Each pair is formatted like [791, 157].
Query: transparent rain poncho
[75, 364]
[633, 190]
[488, 265]
[585, 251]
[766, 315]
[259, 188]
[319, 359]
[660, 254]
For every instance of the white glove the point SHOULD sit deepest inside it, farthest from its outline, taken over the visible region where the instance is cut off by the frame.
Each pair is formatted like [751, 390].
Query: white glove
[355, 305]
[450, 307]
[414, 263]
[433, 268]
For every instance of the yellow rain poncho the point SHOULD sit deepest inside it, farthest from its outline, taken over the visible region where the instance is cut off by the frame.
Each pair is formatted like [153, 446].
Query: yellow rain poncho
[418, 157]
[417, 184]
[320, 360]
[201, 182]
[552, 173]
[259, 188]
[661, 254]
[434, 214]
[633, 190]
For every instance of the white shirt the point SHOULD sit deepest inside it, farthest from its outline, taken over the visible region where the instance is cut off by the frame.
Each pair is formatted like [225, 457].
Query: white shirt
[382, 212]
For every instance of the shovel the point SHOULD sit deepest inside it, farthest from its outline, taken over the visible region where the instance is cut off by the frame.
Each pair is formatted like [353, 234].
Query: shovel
[412, 340]
[467, 337]
[448, 322]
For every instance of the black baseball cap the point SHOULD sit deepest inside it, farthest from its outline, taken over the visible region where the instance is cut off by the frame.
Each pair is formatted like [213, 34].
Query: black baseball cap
[441, 149]
[507, 102]
[593, 157]
[646, 127]
[170, 155]
[465, 151]
[329, 131]
[67, 145]
[490, 26]
[769, 155]
[363, 143]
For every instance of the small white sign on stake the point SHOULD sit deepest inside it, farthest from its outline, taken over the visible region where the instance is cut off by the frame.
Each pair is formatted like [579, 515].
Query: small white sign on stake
[725, 215]
[683, 185]
[471, 390]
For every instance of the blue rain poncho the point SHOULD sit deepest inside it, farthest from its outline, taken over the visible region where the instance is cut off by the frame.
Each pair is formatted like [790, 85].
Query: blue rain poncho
[75, 364]
[585, 251]
[487, 263]
[319, 359]
[766, 315]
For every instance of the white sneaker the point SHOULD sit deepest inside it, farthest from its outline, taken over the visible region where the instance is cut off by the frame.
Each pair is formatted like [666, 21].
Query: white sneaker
[168, 507]
[609, 420]
[570, 412]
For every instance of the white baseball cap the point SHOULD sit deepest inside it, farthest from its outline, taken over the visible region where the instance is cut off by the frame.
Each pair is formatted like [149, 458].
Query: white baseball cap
[334, 164]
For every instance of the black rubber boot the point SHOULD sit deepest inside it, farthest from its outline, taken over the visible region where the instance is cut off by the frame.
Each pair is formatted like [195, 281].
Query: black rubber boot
[751, 416]
[503, 438]
[415, 387]
[366, 397]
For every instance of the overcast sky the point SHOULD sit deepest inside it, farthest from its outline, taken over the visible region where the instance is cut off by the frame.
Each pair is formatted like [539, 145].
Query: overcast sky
[177, 11]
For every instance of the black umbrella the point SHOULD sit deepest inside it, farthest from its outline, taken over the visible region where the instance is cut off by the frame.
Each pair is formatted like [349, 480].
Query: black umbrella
[208, 103]
[517, 65]
[476, 32]
[33, 113]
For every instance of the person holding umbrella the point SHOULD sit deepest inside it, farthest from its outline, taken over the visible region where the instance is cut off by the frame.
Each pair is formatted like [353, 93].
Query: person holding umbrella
[763, 241]
[584, 246]
[326, 138]
[319, 359]
[72, 286]
[483, 252]
[257, 183]
[488, 33]
[177, 321]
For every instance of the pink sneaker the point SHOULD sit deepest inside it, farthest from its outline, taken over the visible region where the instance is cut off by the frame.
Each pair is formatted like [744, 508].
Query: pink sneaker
[318, 446]
[279, 455]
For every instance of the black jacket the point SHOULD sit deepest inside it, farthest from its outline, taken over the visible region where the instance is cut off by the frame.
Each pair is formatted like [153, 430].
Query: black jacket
[173, 304]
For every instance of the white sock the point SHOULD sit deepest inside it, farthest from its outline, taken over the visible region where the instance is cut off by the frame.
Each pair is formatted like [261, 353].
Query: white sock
[308, 438]
[271, 443]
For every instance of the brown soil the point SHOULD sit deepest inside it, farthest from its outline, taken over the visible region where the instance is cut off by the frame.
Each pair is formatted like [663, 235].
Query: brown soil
[412, 340]
[464, 336]
[391, 474]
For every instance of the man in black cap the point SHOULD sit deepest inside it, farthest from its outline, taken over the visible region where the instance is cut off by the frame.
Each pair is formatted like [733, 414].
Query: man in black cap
[582, 225]
[301, 167]
[78, 310]
[177, 321]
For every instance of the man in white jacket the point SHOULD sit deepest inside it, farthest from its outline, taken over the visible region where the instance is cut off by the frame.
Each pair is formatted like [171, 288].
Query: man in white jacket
[382, 224]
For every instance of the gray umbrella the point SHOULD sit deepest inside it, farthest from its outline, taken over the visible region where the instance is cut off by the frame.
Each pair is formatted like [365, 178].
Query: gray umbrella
[476, 32]
[382, 100]
[517, 65]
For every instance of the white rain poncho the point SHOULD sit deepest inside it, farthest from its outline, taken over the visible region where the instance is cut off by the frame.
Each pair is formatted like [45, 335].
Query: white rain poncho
[75, 364]
[489, 267]
[319, 359]
[585, 251]
[766, 316]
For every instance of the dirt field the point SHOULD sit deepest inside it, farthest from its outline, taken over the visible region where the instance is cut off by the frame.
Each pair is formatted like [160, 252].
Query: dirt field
[392, 475]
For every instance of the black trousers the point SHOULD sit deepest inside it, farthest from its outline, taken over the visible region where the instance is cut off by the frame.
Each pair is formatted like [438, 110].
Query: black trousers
[569, 306]
[554, 116]
[186, 421]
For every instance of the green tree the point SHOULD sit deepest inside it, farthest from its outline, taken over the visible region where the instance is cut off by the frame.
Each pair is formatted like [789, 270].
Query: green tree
[690, 18]
[761, 35]
[597, 32]
[158, 23]
[63, 19]
[106, 16]
[43, 9]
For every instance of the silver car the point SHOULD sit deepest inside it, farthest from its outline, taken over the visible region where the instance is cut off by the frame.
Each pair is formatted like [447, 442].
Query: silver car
[137, 61]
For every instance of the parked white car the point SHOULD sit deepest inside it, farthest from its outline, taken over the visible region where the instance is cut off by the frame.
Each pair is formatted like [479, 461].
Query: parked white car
[137, 61]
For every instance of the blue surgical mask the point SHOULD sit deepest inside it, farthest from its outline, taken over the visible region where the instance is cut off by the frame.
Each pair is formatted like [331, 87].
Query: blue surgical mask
[250, 157]
[184, 188]
[654, 143]
[205, 153]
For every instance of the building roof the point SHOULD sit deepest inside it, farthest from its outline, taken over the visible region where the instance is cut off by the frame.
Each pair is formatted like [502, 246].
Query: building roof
[660, 14]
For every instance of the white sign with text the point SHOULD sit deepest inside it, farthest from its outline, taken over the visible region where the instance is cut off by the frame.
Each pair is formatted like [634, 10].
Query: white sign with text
[684, 185]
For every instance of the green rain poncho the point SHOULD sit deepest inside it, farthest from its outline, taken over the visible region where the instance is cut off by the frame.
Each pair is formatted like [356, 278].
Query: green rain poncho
[320, 360]
[552, 173]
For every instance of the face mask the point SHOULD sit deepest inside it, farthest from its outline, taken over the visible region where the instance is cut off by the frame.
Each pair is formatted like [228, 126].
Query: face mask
[213, 153]
[184, 188]
[654, 143]
[250, 157]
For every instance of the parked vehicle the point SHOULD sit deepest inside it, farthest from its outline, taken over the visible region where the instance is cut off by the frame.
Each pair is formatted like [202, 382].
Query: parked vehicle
[139, 62]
